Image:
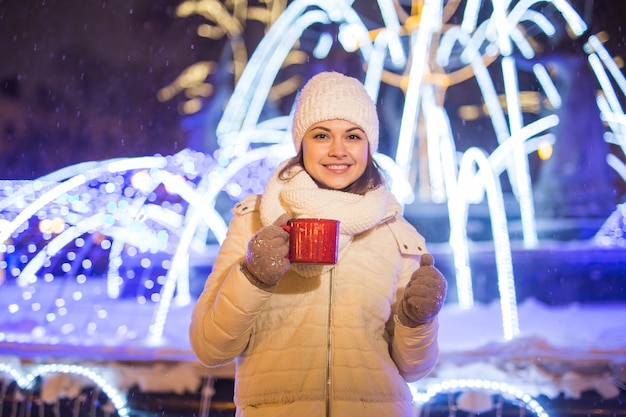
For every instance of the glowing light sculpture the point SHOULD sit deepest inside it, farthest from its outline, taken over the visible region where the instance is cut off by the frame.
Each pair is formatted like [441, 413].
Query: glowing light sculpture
[25, 381]
[612, 112]
[244, 107]
[508, 391]
[430, 22]
[124, 222]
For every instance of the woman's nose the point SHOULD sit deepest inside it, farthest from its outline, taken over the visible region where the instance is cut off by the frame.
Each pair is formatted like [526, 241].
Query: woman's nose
[337, 148]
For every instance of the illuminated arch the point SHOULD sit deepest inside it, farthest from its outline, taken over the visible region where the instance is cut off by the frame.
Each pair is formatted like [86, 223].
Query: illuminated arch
[459, 385]
[25, 382]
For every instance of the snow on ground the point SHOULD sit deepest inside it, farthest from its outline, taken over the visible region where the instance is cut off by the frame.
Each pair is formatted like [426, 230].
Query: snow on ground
[568, 348]
[560, 349]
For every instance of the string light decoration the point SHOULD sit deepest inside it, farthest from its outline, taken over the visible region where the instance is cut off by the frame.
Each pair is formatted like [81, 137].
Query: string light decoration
[613, 231]
[229, 22]
[25, 381]
[508, 391]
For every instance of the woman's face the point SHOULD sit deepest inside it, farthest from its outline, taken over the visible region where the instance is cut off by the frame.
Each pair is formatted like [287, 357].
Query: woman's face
[335, 153]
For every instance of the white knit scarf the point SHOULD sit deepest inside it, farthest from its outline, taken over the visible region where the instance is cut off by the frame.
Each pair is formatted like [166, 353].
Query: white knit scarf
[300, 197]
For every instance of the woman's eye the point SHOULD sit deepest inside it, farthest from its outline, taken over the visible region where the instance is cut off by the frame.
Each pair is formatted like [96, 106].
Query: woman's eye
[354, 137]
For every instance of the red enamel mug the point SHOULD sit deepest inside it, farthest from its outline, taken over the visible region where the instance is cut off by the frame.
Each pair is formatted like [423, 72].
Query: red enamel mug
[313, 241]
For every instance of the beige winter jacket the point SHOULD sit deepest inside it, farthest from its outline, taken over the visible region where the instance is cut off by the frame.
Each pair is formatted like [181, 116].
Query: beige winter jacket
[323, 346]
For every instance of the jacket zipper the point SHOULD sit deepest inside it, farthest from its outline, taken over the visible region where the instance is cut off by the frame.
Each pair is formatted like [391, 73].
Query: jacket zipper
[328, 387]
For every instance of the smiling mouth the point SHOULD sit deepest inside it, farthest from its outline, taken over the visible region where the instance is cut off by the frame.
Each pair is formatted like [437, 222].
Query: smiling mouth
[336, 167]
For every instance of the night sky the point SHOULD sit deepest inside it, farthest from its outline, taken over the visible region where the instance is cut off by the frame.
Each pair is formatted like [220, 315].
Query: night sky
[79, 80]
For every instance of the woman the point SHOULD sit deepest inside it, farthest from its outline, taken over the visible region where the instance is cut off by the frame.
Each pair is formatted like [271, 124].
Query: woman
[323, 340]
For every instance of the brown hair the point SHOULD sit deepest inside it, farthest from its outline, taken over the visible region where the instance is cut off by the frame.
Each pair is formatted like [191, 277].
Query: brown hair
[372, 176]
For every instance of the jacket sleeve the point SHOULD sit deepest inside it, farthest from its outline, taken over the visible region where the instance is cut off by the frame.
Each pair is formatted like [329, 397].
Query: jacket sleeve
[414, 350]
[225, 312]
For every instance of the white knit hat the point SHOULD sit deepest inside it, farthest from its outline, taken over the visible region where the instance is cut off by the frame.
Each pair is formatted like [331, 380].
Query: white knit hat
[331, 95]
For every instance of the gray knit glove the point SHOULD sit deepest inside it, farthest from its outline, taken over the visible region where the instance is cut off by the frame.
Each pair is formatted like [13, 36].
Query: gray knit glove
[266, 259]
[424, 294]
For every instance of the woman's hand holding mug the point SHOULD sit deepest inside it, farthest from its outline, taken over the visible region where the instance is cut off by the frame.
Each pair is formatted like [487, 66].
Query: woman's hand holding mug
[266, 259]
[274, 248]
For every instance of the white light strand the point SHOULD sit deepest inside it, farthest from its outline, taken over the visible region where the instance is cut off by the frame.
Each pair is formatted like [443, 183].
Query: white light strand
[117, 399]
[617, 164]
[457, 213]
[460, 385]
[180, 260]
[28, 276]
[430, 23]
[549, 89]
[40, 203]
[521, 179]
[392, 28]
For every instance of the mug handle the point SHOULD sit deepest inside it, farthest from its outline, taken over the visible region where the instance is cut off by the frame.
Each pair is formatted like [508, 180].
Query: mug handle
[286, 228]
